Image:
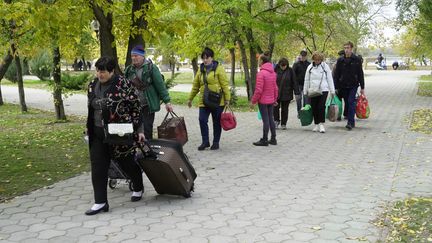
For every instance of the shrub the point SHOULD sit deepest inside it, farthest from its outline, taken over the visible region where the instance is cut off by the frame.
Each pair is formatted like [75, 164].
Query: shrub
[76, 82]
[11, 73]
[41, 65]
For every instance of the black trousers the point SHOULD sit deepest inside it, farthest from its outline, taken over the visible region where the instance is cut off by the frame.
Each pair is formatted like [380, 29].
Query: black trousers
[266, 111]
[100, 157]
[281, 108]
[318, 107]
[148, 120]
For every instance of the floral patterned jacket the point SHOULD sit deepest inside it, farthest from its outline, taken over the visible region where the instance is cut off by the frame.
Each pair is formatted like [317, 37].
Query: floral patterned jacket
[123, 107]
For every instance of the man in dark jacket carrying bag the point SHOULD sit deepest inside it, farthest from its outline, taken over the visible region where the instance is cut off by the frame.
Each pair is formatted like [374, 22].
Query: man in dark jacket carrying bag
[299, 69]
[348, 77]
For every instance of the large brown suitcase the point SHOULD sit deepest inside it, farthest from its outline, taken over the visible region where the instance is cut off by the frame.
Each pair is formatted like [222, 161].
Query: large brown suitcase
[167, 167]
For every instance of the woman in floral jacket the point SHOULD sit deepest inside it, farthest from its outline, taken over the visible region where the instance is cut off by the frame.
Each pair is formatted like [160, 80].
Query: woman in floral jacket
[111, 99]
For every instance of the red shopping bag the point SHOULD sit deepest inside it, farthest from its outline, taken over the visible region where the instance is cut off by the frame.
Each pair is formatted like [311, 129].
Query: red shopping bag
[228, 120]
[362, 108]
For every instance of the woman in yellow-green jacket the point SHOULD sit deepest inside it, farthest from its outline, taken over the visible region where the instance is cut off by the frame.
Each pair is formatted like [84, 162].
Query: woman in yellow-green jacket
[217, 82]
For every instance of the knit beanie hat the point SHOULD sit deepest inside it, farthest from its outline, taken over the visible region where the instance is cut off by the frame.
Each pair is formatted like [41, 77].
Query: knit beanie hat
[138, 50]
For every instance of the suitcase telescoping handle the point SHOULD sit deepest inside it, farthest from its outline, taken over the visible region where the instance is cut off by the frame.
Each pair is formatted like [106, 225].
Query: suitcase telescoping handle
[150, 152]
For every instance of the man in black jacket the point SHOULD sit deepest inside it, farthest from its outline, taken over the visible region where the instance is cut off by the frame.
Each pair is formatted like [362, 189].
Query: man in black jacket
[348, 77]
[299, 69]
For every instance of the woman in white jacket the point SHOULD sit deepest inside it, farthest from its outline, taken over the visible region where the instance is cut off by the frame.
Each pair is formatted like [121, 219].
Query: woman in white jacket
[318, 78]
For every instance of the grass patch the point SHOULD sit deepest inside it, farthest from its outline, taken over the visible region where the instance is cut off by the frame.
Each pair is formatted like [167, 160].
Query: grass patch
[181, 98]
[36, 84]
[425, 86]
[421, 121]
[35, 151]
[409, 220]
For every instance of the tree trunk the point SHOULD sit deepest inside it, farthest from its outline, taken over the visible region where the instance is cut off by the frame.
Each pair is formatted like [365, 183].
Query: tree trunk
[253, 47]
[75, 65]
[246, 69]
[233, 60]
[195, 65]
[20, 79]
[26, 68]
[138, 25]
[272, 34]
[57, 93]
[7, 60]
[172, 64]
[106, 38]
[84, 63]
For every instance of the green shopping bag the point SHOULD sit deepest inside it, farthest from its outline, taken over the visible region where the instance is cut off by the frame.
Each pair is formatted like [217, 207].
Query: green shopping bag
[259, 115]
[336, 101]
[306, 116]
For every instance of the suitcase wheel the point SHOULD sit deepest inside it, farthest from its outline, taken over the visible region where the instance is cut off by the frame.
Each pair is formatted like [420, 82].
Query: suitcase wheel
[187, 195]
[112, 183]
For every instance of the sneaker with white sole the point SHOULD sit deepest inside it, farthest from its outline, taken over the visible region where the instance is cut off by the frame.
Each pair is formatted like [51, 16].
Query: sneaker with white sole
[321, 128]
[315, 129]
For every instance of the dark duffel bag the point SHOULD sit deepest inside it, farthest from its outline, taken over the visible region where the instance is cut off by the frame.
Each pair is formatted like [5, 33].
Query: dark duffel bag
[174, 128]
[167, 167]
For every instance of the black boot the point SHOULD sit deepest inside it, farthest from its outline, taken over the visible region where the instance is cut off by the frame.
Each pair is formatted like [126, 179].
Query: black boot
[273, 141]
[204, 146]
[215, 146]
[261, 142]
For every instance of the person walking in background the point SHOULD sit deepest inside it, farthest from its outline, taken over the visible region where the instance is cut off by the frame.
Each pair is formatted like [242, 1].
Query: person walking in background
[214, 74]
[319, 76]
[266, 94]
[150, 86]
[341, 53]
[287, 85]
[111, 99]
[299, 69]
[348, 77]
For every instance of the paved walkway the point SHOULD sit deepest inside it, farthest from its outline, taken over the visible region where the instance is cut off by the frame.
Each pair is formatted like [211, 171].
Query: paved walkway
[311, 187]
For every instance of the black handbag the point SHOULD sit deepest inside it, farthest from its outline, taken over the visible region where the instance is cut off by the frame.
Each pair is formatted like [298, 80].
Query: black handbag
[119, 134]
[211, 99]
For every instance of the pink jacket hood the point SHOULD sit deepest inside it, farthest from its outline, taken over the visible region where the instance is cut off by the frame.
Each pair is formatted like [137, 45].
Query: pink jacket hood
[266, 90]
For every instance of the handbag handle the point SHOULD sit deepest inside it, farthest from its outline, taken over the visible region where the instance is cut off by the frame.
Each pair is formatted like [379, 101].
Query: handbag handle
[228, 107]
[169, 113]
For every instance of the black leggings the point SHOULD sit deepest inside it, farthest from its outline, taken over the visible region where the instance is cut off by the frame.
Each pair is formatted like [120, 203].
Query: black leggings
[267, 119]
[318, 107]
[100, 161]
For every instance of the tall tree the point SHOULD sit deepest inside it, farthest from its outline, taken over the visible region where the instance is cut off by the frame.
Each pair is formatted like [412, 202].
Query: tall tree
[104, 16]
[138, 25]
[13, 22]
[4, 65]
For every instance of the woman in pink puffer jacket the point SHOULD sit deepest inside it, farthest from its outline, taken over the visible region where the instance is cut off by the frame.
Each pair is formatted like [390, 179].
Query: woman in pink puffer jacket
[266, 94]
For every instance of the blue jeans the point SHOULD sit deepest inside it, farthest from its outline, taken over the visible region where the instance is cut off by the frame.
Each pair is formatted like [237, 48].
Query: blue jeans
[204, 113]
[267, 119]
[349, 96]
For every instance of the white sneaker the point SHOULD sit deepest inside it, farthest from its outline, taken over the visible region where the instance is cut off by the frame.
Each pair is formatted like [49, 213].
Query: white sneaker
[315, 129]
[321, 128]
